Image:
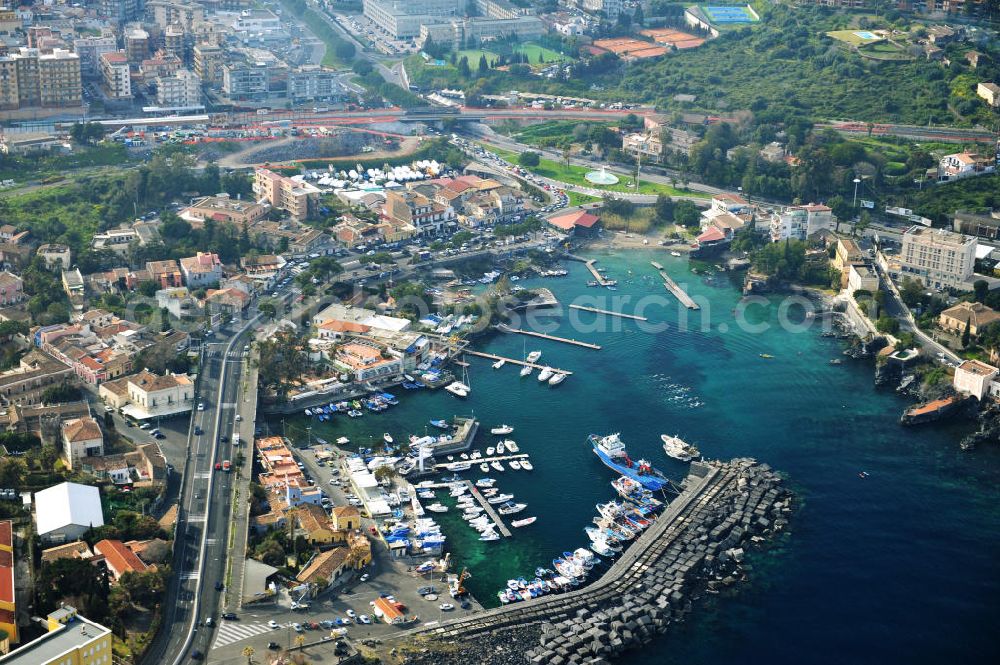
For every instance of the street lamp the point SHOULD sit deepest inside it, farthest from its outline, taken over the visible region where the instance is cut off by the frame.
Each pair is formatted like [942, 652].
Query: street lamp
[856, 181]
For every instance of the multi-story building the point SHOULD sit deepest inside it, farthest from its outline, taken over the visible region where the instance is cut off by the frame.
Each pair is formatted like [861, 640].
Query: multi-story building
[36, 372]
[118, 558]
[11, 289]
[972, 315]
[208, 64]
[167, 274]
[115, 75]
[55, 255]
[402, 19]
[938, 258]
[71, 639]
[609, 8]
[973, 377]
[222, 208]
[426, 216]
[313, 83]
[8, 595]
[456, 31]
[170, 12]
[203, 269]
[152, 396]
[136, 46]
[965, 164]
[81, 438]
[979, 225]
[646, 146]
[162, 64]
[118, 10]
[29, 78]
[90, 49]
[800, 222]
[175, 40]
[990, 92]
[181, 89]
[298, 199]
[246, 81]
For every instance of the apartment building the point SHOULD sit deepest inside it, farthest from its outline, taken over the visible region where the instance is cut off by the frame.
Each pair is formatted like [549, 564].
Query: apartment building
[208, 64]
[81, 438]
[34, 373]
[29, 78]
[990, 92]
[181, 89]
[428, 217]
[800, 222]
[313, 83]
[115, 75]
[172, 12]
[938, 258]
[90, 49]
[247, 81]
[70, 639]
[203, 269]
[298, 199]
[222, 208]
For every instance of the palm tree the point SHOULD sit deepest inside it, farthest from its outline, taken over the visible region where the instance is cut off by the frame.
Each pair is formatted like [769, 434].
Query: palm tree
[300, 640]
[248, 652]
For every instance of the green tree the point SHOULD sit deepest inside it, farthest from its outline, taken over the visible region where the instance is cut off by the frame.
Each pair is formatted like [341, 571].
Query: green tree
[967, 333]
[484, 65]
[529, 159]
[686, 213]
[664, 209]
[887, 324]
[981, 289]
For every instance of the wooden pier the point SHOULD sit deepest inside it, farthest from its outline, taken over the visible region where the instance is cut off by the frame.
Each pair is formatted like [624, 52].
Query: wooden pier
[595, 310]
[515, 361]
[672, 286]
[553, 338]
[501, 527]
[598, 277]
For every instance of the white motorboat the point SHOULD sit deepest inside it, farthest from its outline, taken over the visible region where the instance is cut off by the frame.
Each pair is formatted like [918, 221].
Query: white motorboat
[527, 370]
[437, 508]
[500, 448]
[676, 447]
[525, 522]
[484, 467]
[490, 491]
[515, 465]
[500, 498]
[497, 466]
[489, 537]
[534, 356]
[485, 482]
[475, 455]
[490, 451]
[512, 508]
[387, 437]
[675, 253]
[526, 465]
[502, 430]
[557, 378]
[460, 466]
[343, 441]
[511, 445]
[458, 389]
[545, 374]
[500, 363]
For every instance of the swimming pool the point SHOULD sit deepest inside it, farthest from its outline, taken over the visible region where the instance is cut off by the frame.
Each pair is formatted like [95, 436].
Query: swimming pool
[864, 34]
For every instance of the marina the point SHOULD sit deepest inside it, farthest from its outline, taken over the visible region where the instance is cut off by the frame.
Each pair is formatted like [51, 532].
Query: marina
[515, 361]
[531, 333]
[672, 286]
[595, 310]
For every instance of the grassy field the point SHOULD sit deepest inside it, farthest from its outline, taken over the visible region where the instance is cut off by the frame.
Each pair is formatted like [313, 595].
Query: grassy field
[532, 51]
[578, 199]
[474, 55]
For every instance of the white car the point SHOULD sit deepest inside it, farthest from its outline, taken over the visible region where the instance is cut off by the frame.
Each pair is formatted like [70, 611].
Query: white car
[352, 614]
[446, 607]
[201, 406]
[273, 624]
[364, 618]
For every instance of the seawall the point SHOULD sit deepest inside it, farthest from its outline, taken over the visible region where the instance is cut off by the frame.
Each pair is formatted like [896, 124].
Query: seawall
[693, 547]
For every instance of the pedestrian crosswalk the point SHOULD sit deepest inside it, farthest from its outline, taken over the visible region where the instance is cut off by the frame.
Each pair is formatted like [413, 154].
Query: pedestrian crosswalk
[234, 631]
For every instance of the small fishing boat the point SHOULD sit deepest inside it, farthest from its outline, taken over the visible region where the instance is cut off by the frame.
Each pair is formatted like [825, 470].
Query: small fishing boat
[765, 356]
[485, 482]
[500, 448]
[525, 522]
[440, 424]
[490, 451]
[502, 430]
[515, 465]
[676, 447]
[500, 363]
[534, 356]
[545, 374]
[497, 465]
[387, 437]
[484, 467]
[527, 370]
[511, 445]
[675, 253]
[526, 465]
[499, 498]
[343, 441]
[557, 378]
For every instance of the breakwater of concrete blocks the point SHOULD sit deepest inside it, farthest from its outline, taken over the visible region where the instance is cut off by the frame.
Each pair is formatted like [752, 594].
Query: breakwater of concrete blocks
[694, 547]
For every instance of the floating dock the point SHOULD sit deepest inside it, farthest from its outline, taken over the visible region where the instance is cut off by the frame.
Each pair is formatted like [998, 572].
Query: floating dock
[501, 527]
[553, 338]
[515, 361]
[678, 292]
[598, 277]
[595, 310]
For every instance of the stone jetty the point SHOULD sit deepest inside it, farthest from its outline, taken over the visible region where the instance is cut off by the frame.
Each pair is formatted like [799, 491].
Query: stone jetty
[694, 547]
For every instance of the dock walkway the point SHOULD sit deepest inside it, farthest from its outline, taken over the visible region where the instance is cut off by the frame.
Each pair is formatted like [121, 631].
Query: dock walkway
[501, 527]
[515, 361]
[565, 340]
[672, 286]
[595, 310]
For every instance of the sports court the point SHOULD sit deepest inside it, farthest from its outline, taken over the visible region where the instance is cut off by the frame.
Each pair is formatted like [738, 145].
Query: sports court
[728, 14]
[673, 38]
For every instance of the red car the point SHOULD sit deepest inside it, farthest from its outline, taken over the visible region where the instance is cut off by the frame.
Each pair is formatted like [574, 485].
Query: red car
[226, 466]
[218, 466]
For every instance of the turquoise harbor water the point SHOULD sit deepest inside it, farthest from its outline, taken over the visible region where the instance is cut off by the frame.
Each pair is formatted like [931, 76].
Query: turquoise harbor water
[899, 567]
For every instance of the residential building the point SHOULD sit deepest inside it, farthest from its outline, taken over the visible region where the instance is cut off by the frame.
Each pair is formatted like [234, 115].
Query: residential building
[963, 165]
[56, 256]
[800, 222]
[11, 289]
[209, 61]
[223, 208]
[115, 75]
[35, 372]
[401, 19]
[264, 268]
[118, 558]
[74, 286]
[175, 12]
[345, 518]
[609, 8]
[314, 524]
[367, 361]
[136, 46]
[8, 591]
[938, 258]
[862, 278]
[30, 78]
[203, 269]
[990, 92]
[89, 51]
[229, 301]
[978, 225]
[975, 315]
[247, 81]
[117, 240]
[181, 89]
[973, 377]
[178, 302]
[310, 83]
[70, 640]
[152, 396]
[66, 511]
[81, 438]
[298, 199]
[426, 216]
[78, 549]
[645, 146]
[166, 274]
[323, 569]
[847, 254]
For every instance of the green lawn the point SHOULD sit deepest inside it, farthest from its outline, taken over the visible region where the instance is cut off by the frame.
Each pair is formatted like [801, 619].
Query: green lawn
[474, 55]
[848, 37]
[534, 50]
[578, 199]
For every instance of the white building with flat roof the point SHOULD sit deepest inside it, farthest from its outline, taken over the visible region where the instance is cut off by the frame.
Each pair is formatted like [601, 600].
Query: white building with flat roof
[974, 377]
[65, 512]
[938, 258]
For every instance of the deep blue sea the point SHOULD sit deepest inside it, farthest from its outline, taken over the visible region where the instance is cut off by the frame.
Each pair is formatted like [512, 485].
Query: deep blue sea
[900, 567]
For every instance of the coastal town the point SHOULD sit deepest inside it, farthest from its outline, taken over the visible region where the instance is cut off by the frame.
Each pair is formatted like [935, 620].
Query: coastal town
[478, 331]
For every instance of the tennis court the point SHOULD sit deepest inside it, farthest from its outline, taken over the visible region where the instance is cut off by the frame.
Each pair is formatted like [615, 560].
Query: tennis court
[728, 14]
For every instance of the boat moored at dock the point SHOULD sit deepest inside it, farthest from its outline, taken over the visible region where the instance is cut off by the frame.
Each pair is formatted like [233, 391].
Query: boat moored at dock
[676, 447]
[611, 451]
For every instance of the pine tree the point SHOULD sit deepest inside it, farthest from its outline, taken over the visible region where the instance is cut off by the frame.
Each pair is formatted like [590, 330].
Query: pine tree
[967, 333]
[484, 66]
